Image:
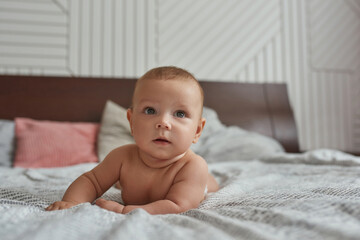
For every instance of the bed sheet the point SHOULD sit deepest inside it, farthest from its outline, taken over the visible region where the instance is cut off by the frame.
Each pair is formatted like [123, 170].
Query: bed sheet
[315, 195]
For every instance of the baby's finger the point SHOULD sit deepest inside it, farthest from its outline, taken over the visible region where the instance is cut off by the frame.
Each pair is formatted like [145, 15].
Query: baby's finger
[49, 208]
[100, 201]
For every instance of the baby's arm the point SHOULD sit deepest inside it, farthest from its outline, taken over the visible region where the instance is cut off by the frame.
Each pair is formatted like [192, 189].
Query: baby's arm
[186, 193]
[84, 189]
[92, 184]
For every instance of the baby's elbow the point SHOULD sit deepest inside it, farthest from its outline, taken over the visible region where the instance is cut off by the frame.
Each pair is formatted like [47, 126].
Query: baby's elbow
[184, 206]
[92, 180]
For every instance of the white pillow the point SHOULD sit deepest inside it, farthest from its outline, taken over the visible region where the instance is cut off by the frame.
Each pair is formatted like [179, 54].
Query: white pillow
[220, 143]
[7, 142]
[114, 129]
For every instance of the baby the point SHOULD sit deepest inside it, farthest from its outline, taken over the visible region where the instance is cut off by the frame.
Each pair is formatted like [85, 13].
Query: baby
[159, 173]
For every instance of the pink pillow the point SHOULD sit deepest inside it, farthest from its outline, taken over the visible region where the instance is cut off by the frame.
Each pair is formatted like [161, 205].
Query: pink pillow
[44, 144]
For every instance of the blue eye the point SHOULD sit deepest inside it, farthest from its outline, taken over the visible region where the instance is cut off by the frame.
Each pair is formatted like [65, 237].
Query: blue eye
[149, 111]
[180, 114]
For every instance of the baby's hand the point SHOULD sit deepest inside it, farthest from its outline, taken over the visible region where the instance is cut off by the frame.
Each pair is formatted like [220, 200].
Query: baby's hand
[110, 205]
[60, 205]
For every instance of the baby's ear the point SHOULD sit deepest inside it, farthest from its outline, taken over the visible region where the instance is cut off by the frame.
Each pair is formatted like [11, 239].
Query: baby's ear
[199, 129]
[129, 116]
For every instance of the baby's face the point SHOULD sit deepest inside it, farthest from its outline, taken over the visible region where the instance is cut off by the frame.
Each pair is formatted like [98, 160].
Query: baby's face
[166, 117]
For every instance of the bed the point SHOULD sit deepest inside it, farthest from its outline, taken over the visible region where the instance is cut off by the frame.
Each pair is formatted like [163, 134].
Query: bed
[268, 188]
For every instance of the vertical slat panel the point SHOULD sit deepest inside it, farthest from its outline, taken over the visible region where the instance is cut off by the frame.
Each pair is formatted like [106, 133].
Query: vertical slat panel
[107, 38]
[74, 49]
[339, 92]
[354, 110]
[130, 31]
[314, 115]
[85, 37]
[140, 36]
[151, 34]
[278, 59]
[119, 36]
[96, 39]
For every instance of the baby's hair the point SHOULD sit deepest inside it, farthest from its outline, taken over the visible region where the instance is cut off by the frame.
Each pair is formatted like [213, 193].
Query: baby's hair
[169, 73]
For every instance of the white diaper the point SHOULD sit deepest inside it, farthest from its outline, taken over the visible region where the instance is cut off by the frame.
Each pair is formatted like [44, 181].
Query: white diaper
[206, 190]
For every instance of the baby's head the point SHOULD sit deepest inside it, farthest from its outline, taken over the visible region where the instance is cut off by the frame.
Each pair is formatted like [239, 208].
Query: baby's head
[169, 73]
[166, 113]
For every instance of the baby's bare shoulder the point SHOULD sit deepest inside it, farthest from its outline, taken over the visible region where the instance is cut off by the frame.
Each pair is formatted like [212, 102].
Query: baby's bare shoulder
[121, 154]
[194, 159]
[194, 164]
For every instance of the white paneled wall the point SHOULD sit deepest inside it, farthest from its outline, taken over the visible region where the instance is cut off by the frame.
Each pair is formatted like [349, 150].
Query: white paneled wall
[312, 45]
[111, 38]
[217, 39]
[33, 37]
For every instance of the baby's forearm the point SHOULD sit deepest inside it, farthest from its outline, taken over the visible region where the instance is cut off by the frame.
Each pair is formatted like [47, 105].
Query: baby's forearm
[158, 207]
[84, 189]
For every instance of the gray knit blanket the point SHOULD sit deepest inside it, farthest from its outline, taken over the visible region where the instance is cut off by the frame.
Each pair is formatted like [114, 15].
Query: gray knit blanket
[314, 195]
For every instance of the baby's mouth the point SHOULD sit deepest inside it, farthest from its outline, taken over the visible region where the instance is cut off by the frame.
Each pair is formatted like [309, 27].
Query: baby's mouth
[161, 141]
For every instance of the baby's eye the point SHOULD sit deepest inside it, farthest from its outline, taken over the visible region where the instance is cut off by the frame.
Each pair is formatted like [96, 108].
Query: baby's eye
[149, 111]
[180, 114]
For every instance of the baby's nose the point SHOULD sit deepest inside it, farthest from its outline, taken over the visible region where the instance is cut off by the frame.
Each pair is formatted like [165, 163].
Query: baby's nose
[164, 124]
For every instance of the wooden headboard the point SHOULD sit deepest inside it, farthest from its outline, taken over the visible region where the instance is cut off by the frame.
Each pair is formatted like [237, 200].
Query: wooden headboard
[263, 108]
